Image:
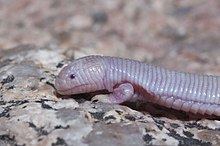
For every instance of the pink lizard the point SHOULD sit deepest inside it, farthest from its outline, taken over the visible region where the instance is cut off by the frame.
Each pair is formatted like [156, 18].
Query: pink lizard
[127, 79]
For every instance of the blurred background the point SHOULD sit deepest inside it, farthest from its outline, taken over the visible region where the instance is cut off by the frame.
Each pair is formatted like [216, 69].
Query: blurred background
[183, 35]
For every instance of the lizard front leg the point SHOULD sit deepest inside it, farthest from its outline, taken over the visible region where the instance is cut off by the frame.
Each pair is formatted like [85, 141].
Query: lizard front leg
[122, 93]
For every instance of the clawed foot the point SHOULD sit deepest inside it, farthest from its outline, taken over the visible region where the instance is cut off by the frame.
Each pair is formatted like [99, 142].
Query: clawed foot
[122, 93]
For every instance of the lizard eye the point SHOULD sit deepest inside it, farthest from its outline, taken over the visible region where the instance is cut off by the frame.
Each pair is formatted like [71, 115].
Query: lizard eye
[72, 76]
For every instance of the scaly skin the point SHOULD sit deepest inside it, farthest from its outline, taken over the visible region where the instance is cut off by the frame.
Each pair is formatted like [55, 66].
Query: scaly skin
[127, 79]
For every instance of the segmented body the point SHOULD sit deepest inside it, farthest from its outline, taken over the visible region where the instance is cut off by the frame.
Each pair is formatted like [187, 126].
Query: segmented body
[182, 91]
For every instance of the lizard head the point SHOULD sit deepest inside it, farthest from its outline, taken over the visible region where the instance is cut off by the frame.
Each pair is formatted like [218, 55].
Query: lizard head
[81, 76]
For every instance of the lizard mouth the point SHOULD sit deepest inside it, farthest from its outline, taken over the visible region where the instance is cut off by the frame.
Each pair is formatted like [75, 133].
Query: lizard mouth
[69, 90]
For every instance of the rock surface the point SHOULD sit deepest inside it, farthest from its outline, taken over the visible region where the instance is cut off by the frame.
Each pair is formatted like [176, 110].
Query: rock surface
[181, 35]
[31, 113]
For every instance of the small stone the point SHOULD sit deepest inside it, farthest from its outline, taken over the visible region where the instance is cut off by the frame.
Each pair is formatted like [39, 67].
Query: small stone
[100, 17]
[80, 22]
